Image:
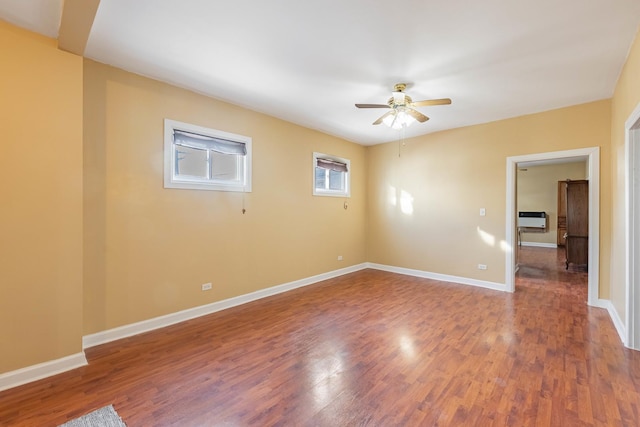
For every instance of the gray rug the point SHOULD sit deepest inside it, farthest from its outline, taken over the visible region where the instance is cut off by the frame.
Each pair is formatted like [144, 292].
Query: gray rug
[103, 417]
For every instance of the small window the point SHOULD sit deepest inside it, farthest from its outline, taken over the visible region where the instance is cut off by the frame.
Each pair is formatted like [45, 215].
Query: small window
[331, 176]
[205, 159]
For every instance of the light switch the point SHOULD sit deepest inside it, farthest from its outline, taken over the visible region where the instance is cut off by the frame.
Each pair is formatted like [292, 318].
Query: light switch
[483, 212]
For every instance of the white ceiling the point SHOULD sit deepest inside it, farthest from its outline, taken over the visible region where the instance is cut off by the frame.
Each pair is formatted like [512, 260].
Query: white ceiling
[309, 62]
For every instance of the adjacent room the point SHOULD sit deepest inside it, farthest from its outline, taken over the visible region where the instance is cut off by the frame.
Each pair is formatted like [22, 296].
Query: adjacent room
[319, 213]
[542, 219]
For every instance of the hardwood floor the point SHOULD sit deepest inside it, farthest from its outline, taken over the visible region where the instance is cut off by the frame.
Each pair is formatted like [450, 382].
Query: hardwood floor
[367, 349]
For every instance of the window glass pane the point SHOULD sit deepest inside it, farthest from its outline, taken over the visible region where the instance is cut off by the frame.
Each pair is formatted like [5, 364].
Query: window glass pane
[336, 180]
[191, 162]
[225, 167]
[321, 177]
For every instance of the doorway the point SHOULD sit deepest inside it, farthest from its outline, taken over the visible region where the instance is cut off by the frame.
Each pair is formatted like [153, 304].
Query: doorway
[541, 253]
[592, 157]
[632, 219]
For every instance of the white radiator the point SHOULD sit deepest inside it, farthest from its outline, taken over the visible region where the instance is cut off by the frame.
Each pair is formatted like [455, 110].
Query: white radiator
[532, 219]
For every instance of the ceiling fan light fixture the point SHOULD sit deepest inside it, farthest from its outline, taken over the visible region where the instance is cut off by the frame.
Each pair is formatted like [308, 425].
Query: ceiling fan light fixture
[399, 119]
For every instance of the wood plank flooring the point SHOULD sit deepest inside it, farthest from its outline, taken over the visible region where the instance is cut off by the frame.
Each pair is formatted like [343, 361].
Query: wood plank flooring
[367, 349]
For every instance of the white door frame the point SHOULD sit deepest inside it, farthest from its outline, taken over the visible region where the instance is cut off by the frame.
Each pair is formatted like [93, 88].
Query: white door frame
[592, 156]
[632, 224]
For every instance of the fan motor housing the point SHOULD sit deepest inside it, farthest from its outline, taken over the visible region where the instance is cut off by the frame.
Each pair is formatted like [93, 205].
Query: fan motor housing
[392, 104]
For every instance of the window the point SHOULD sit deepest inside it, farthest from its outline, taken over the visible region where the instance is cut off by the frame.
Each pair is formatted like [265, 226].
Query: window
[331, 176]
[205, 159]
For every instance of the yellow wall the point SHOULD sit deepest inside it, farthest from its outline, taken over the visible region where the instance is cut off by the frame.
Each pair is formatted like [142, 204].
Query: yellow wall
[41, 188]
[538, 191]
[626, 98]
[148, 249]
[450, 175]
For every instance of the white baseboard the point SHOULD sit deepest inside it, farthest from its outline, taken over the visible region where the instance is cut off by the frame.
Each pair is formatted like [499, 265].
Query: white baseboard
[539, 245]
[615, 318]
[441, 277]
[41, 370]
[191, 313]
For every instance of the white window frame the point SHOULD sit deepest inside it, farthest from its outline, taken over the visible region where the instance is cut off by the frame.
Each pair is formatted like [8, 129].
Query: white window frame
[195, 183]
[328, 192]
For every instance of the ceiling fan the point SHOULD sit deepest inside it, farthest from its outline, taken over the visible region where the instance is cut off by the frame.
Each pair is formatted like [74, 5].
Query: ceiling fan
[402, 111]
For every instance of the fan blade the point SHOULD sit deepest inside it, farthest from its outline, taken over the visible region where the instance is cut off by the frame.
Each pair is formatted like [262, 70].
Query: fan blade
[388, 113]
[443, 101]
[417, 115]
[372, 105]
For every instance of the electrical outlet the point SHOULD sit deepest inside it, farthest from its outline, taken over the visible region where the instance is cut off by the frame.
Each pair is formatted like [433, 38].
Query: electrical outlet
[206, 286]
[482, 266]
[339, 257]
